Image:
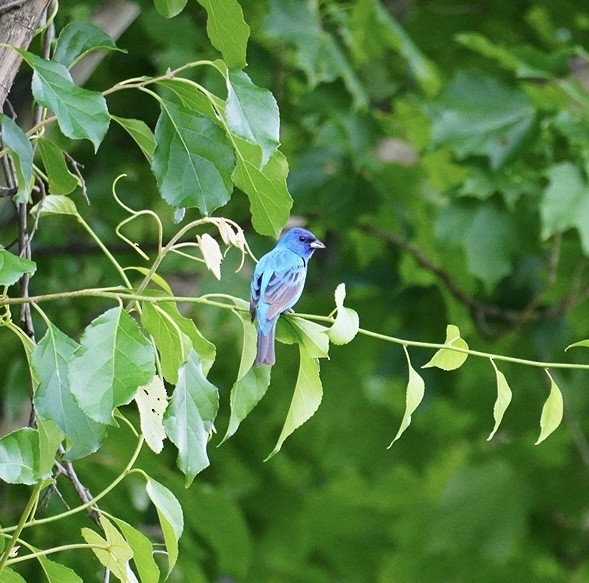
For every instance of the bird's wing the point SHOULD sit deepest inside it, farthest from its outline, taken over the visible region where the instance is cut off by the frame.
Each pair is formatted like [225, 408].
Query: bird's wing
[284, 289]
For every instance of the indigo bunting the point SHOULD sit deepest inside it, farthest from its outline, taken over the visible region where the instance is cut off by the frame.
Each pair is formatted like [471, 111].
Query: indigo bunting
[277, 285]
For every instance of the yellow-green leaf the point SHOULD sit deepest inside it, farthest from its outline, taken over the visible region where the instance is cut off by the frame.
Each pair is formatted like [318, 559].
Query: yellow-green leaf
[551, 412]
[503, 399]
[447, 358]
[414, 396]
[346, 323]
[211, 253]
[152, 401]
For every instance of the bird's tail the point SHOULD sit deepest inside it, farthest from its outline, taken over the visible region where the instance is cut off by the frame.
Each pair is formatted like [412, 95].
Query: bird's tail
[265, 354]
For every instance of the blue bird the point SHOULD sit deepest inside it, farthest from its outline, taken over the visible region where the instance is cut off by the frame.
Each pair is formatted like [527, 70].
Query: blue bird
[277, 285]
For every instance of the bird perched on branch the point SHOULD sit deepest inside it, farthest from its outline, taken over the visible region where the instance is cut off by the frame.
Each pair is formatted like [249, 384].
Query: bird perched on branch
[277, 285]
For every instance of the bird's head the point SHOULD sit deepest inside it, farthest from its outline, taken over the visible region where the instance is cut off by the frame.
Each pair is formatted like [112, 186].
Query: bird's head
[301, 241]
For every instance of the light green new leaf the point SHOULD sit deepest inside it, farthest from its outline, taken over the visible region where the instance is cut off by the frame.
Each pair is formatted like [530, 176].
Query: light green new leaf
[53, 398]
[503, 399]
[140, 132]
[169, 8]
[61, 180]
[10, 576]
[58, 573]
[252, 113]
[19, 457]
[152, 401]
[313, 336]
[189, 418]
[114, 358]
[81, 114]
[584, 343]
[347, 322]
[227, 30]
[565, 203]
[306, 399]
[77, 39]
[55, 204]
[192, 161]
[552, 411]
[270, 201]
[12, 267]
[446, 358]
[413, 396]
[117, 554]
[252, 382]
[21, 151]
[170, 516]
[142, 552]
[211, 253]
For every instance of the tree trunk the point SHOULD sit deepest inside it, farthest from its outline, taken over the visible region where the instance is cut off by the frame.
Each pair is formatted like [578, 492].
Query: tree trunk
[18, 23]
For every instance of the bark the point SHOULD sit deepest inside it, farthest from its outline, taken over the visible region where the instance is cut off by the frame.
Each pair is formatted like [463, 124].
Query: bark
[18, 22]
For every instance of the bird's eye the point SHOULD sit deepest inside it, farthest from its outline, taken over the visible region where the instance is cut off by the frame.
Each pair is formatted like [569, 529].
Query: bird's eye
[302, 238]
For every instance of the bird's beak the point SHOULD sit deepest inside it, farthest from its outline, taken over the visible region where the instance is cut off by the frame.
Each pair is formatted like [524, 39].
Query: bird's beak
[317, 244]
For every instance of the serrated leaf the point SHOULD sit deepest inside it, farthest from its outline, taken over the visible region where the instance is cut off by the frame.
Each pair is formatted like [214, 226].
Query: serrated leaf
[413, 396]
[61, 180]
[270, 201]
[140, 132]
[189, 418]
[227, 30]
[112, 361]
[21, 151]
[251, 383]
[117, 554]
[170, 516]
[55, 204]
[152, 401]
[53, 398]
[552, 411]
[446, 358]
[306, 399]
[347, 322]
[78, 39]
[169, 8]
[192, 161]
[503, 399]
[252, 113]
[142, 552]
[12, 267]
[81, 114]
[58, 573]
[211, 253]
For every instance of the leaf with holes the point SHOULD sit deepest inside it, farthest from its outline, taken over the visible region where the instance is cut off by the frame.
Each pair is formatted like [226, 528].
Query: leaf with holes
[152, 401]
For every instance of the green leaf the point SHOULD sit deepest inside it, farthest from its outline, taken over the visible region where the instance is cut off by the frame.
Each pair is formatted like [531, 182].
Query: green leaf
[306, 399]
[252, 113]
[55, 204]
[189, 418]
[347, 322]
[480, 116]
[152, 401]
[170, 516]
[12, 268]
[565, 203]
[21, 151]
[58, 573]
[503, 399]
[81, 114]
[413, 396]
[142, 552]
[140, 132]
[61, 180]
[192, 161]
[227, 30]
[175, 336]
[584, 343]
[117, 554]
[112, 361]
[446, 358]
[53, 398]
[251, 383]
[313, 336]
[19, 457]
[50, 438]
[211, 253]
[552, 411]
[78, 39]
[169, 8]
[10, 576]
[270, 201]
